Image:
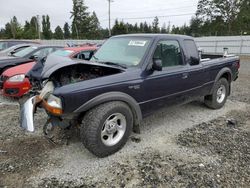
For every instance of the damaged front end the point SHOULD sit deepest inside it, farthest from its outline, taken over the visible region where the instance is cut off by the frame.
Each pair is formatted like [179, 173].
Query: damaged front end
[46, 100]
[56, 74]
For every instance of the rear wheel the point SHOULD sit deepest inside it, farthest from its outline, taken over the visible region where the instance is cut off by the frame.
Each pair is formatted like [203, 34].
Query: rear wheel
[219, 95]
[106, 128]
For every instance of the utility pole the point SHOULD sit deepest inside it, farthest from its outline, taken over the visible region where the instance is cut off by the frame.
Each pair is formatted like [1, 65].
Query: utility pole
[110, 1]
[38, 27]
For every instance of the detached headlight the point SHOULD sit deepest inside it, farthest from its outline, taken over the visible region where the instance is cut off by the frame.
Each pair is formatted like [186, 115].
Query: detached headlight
[17, 78]
[47, 90]
[54, 101]
[53, 104]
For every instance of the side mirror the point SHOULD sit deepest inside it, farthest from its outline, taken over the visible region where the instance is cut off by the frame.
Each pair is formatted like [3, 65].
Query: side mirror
[12, 52]
[157, 65]
[194, 61]
[34, 57]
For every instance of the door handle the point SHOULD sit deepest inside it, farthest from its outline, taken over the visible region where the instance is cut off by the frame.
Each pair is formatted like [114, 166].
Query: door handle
[184, 75]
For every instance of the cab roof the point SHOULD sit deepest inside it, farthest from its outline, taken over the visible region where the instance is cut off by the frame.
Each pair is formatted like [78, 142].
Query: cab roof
[152, 35]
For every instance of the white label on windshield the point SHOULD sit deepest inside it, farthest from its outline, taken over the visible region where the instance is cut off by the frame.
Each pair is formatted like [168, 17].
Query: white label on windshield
[137, 43]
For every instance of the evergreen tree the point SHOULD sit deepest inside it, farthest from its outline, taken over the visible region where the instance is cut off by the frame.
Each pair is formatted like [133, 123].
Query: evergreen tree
[119, 28]
[226, 10]
[47, 33]
[16, 29]
[146, 28]
[33, 28]
[66, 31]
[243, 19]
[94, 27]
[7, 31]
[164, 28]
[81, 20]
[155, 25]
[141, 28]
[58, 33]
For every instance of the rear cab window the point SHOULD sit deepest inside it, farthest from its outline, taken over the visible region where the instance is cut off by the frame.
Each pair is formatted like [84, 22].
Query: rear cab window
[192, 52]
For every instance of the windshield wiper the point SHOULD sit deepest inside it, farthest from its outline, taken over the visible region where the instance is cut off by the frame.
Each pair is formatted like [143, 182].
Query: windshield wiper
[115, 64]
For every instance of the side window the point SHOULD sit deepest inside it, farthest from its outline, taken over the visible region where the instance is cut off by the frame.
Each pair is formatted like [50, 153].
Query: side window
[192, 52]
[43, 52]
[169, 52]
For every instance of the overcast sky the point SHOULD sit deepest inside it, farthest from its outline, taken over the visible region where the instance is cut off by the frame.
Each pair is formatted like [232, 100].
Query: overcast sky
[177, 12]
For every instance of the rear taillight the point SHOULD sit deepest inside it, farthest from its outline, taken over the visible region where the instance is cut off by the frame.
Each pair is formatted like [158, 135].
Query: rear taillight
[238, 64]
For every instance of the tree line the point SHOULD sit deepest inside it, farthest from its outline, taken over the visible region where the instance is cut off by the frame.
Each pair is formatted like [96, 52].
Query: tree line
[212, 18]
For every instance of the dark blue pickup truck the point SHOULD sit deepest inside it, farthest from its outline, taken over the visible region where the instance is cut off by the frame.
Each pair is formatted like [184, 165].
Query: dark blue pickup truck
[130, 77]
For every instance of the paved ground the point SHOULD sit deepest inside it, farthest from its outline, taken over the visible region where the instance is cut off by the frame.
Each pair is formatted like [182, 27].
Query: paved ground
[183, 146]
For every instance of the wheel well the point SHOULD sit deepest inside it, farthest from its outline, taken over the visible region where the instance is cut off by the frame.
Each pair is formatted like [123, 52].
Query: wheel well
[227, 76]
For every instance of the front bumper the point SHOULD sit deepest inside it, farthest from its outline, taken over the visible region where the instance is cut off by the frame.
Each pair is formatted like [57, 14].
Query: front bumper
[27, 114]
[29, 108]
[16, 89]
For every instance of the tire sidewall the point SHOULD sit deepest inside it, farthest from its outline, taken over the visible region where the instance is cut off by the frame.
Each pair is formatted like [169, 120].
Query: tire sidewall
[129, 121]
[218, 84]
[95, 144]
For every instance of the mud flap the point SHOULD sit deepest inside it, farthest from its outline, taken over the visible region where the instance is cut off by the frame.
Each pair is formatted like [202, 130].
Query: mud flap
[27, 115]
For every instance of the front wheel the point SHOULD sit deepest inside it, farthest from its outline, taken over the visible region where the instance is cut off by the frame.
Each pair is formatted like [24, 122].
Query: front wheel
[106, 128]
[219, 95]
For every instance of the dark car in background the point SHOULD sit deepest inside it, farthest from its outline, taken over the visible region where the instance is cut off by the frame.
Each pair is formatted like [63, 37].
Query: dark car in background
[13, 49]
[26, 55]
[16, 84]
[4, 44]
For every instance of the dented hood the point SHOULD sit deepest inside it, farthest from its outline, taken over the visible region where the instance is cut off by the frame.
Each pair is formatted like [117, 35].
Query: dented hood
[55, 62]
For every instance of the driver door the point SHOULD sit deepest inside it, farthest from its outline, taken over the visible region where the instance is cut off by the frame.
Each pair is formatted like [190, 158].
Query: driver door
[167, 86]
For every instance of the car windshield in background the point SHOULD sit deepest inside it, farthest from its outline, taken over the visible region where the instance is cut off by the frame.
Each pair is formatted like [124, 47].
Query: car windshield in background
[7, 50]
[25, 51]
[63, 53]
[127, 51]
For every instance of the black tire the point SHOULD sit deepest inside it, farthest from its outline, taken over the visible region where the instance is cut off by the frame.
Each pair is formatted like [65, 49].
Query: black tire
[93, 123]
[211, 100]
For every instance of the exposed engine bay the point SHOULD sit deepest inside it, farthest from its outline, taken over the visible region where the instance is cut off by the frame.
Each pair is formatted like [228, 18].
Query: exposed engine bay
[77, 73]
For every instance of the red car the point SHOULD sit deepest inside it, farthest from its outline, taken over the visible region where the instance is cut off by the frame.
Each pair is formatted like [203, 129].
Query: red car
[13, 82]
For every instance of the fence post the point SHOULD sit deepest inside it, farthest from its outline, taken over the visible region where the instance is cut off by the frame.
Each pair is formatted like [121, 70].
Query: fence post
[241, 45]
[216, 46]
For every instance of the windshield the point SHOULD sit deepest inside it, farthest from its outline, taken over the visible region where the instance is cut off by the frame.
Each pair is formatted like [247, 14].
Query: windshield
[63, 53]
[127, 51]
[25, 51]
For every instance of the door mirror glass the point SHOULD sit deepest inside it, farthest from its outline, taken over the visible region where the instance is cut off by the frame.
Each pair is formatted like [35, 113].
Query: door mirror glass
[157, 65]
[194, 61]
[34, 57]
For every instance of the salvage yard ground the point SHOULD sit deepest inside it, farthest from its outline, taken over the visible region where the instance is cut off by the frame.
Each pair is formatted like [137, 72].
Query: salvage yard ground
[183, 146]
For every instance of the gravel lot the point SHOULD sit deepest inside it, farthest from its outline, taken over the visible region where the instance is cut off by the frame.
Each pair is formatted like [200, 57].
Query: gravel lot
[183, 146]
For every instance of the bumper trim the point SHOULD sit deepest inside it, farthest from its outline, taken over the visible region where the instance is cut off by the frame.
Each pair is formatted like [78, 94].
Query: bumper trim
[27, 115]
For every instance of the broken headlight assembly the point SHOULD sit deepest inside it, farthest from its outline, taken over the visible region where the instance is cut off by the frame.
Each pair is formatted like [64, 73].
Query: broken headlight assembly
[51, 103]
